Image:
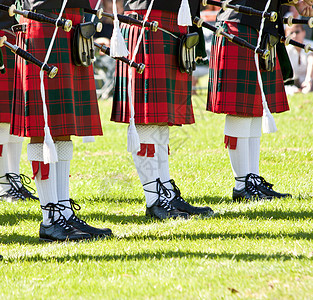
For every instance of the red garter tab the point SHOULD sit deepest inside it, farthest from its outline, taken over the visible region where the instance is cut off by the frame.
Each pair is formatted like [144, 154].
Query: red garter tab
[150, 150]
[44, 170]
[143, 149]
[231, 142]
[35, 167]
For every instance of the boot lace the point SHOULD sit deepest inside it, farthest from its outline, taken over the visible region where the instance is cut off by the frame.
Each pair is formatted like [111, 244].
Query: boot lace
[259, 180]
[250, 183]
[166, 205]
[19, 185]
[163, 194]
[14, 191]
[74, 206]
[176, 191]
[52, 208]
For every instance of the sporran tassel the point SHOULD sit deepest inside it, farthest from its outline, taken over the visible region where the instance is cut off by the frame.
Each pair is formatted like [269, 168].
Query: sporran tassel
[49, 152]
[268, 122]
[184, 15]
[133, 141]
[117, 47]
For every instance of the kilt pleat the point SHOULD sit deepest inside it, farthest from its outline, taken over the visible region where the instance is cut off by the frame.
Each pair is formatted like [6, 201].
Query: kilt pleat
[70, 96]
[162, 94]
[6, 90]
[233, 87]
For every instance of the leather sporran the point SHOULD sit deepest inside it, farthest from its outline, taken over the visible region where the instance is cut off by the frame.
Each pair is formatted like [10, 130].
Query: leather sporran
[83, 47]
[268, 42]
[187, 52]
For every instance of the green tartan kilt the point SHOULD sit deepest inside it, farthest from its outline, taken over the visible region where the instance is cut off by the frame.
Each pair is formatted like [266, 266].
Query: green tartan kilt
[233, 87]
[162, 94]
[6, 91]
[70, 96]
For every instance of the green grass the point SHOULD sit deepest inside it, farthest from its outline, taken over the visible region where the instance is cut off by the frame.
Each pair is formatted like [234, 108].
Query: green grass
[256, 250]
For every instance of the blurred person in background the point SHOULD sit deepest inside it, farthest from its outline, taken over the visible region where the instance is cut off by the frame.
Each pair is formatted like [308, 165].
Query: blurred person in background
[302, 63]
[104, 65]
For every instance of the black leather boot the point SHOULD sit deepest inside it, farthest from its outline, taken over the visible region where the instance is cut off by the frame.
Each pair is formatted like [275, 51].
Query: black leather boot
[267, 188]
[13, 194]
[59, 230]
[162, 209]
[179, 203]
[20, 184]
[82, 225]
[250, 191]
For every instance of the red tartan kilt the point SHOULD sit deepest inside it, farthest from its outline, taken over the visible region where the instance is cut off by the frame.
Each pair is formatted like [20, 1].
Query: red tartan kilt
[6, 80]
[233, 85]
[70, 96]
[162, 94]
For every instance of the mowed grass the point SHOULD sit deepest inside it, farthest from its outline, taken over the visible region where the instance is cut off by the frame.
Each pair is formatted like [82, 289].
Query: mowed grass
[256, 250]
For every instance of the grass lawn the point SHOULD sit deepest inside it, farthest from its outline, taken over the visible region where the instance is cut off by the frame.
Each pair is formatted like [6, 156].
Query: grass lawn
[256, 250]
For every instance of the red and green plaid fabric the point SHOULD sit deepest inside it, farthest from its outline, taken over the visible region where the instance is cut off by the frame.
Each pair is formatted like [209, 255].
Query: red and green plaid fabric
[6, 90]
[70, 95]
[162, 94]
[233, 85]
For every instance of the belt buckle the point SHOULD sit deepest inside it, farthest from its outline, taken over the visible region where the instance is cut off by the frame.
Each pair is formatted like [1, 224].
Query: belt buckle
[134, 15]
[19, 27]
[23, 27]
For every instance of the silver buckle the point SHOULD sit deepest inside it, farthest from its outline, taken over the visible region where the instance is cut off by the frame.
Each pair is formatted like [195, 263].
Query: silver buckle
[19, 27]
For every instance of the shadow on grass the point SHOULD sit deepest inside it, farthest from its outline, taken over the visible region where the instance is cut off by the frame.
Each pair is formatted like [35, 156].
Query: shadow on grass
[249, 215]
[15, 238]
[107, 199]
[207, 200]
[12, 219]
[118, 219]
[278, 256]
[276, 214]
[203, 200]
[300, 235]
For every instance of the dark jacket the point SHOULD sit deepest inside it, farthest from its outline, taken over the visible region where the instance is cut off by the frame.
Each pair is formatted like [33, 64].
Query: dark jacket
[254, 21]
[167, 5]
[54, 4]
[5, 20]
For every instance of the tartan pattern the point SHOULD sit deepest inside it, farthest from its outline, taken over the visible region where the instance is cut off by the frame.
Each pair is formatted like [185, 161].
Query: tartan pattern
[70, 95]
[6, 79]
[162, 94]
[233, 86]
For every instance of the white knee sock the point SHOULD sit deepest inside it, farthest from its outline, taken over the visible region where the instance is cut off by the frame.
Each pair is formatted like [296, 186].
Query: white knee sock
[14, 153]
[65, 155]
[147, 169]
[46, 188]
[162, 140]
[239, 159]
[254, 155]
[254, 145]
[163, 165]
[4, 138]
[245, 158]
[47, 192]
[147, 161]
[4, 183]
